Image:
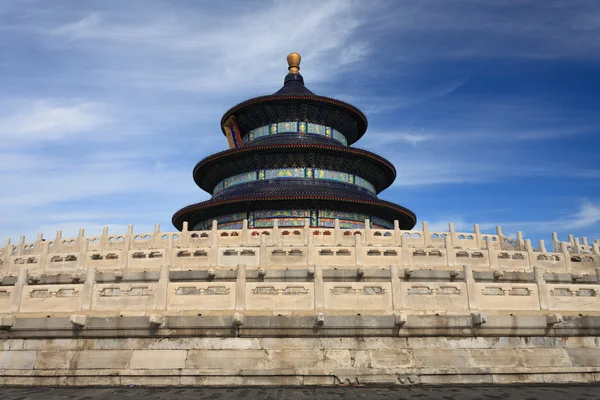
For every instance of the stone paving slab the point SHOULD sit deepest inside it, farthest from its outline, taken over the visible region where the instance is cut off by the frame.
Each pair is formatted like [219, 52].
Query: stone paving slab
[529, 392]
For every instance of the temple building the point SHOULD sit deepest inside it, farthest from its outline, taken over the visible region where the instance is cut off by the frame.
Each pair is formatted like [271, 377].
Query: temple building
[295, 273]
[290, 161]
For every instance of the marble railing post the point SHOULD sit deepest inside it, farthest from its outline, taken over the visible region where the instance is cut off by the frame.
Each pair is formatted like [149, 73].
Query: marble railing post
[306, 230]
[397, 234]
[88, 289]
[397, 299]
[453, 236]
[319, 288]
[245, 233]
[162, 288]
[538, 276]
[566, 256]
[478, 237]
[492, 253]
[82, 245]
[276, 233]
[262, 252]
[6, 252]
[368, 234]
[426, 235]
[310, 249]
[596, 249]
[129, 239]
[58, 245]
[358, 249]
[542, 245]
[450, 254]
[337, 232]
[520, 242]
[471, 288]
[214, 244]
[154, 240]
[406, 259]
[184, 238]
[531, 257]
[555, 243]
[104, 238]
[18, 290]
[240, 287]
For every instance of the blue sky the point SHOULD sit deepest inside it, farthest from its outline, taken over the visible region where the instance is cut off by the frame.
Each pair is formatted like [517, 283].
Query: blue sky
[488, 109]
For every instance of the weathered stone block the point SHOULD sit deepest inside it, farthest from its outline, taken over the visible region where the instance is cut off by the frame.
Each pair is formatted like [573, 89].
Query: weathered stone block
[102, 359]
[60, 359]
[493, 358]
[455, 358]
[17, 359]
[544, 358]
[227, 359]
[391, 358]
[584, 357]
[158, 359]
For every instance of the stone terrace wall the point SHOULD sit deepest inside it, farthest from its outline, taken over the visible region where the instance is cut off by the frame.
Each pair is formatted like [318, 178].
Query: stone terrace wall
[298, 271]
[298, 306]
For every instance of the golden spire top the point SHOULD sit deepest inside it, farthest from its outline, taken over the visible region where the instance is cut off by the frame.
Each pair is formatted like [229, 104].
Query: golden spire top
[294, 62]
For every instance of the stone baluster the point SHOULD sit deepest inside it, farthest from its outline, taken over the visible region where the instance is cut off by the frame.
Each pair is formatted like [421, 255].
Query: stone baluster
[245, 233]
[577, 246]
[542, 245]
[82, 247]
[88, 289]
[337, 232]
[566, 256]
[358, 249]
[492, 253]
[500, 236]
[58, 245]
[162, 288]
[406, 259]
[426, 235]
[397, 294]
[450, 253]
[531, 258]
[471, 288]
[17, 291]
[586, 244]
[397, 233]
[127, 245]
[368, 233]
[520, 242]
[306, 231]
[276, 233]
[184, 238]
[319, 286]
[310, 249]
[555, 243]
[104, 238]
[538, 276]
[240, 287]
[262, 252]
[6, 253]
[596, 248]
[453, 236]
[214, 244]
[478, 237]
[41, 248]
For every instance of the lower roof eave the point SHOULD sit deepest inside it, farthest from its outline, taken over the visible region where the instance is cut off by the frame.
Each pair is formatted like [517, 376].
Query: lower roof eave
[209, 209]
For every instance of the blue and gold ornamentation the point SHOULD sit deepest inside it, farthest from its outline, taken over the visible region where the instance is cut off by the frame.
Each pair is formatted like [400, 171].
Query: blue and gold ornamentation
[294, 173]
[295, 127]
[295, 217]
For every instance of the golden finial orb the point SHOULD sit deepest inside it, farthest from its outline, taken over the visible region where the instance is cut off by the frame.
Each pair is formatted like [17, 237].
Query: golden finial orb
[294, 62]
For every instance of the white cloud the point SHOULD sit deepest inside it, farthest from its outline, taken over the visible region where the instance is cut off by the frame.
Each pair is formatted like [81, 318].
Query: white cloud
[43, 120]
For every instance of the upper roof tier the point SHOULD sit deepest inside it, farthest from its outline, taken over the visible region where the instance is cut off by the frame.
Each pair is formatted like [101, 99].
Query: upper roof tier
[294, 102]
